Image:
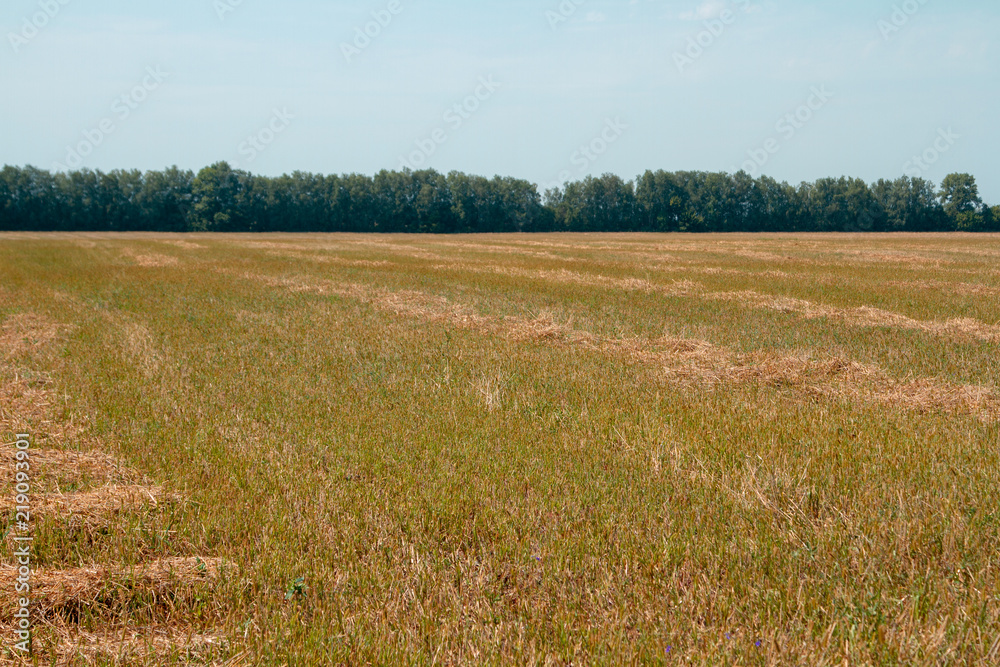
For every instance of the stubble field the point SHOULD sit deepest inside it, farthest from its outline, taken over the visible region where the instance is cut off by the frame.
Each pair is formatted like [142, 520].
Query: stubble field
[551, 449]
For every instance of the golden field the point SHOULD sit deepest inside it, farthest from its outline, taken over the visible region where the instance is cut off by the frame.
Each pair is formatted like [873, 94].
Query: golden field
[511, 449]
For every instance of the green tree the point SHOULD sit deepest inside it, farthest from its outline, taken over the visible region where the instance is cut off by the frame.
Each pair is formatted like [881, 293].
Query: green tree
[222, 199]
[662, 202]
[217, 193]
[597, 205]
[780, 209]
[433, 203]
[960, 194]
[960, 198]
[910, 204]
[36, 201]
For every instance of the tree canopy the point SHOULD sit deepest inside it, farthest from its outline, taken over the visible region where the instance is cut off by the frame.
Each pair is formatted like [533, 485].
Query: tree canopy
[222, 199]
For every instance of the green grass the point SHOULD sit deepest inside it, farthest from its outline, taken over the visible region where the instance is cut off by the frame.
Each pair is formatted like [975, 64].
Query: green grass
[396, 489]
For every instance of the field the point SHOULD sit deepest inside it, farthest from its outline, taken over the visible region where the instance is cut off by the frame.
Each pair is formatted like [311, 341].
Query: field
[551, 450]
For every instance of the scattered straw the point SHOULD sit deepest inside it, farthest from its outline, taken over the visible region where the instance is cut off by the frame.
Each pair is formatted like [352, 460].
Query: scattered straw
[690, 360]
[186, 245]
[930, 395]
[27, 399]
[187, 569]
[428, 308]
[544, 327]
[59, 593]
[837, 377]
[899, 257]
[964, 289]
[719, 271]
[128, 645]
[800, 371]
[27, 332]
[51, 463]
[93, 508]
[138, 342]
[760, 255]
[150, 259]
[865, 316]
[315, 256]
[508, 250]
[565, 276]
[28, 403]
[363, 263]
[27, 406]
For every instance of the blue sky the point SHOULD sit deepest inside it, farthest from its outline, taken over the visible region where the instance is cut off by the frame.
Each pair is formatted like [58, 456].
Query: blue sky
[565, 88]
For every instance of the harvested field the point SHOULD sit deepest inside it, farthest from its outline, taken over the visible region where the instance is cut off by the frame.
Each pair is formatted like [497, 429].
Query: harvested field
[866, 316]
[702, 362]
[67, 464]
[186, 245]
[965, 289]
[97, 507]
[61, 593]
[25, 332]
[549, 449]
[77, 497]
[153, 645]
[150, 260]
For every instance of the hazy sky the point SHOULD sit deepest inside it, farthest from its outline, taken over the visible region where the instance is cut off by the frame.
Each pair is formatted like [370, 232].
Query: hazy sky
[545, 90]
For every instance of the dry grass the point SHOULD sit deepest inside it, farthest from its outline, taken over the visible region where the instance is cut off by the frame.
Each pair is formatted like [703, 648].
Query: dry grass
[185, 245]
[866, 316]
[137, 341]
[99, 507]
[28, 404]
[564, 276]
[899, 257]
[699, 361]
[26, 332]
[63, 593]
[61, 597]
[508, 250]
[477, 456]
[719, 271]
[53, 463]
[27, 399]
[843, 378]
[152, 645]
[150, 260]
[315, 256]
[964, 289]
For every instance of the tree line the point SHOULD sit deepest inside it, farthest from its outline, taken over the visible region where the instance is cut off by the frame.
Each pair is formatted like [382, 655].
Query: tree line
[222, 199]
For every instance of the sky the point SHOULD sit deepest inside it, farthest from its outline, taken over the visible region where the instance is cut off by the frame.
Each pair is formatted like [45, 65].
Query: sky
[546, 90]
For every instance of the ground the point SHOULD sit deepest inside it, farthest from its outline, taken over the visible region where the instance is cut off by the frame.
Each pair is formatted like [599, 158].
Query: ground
[510, 449]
